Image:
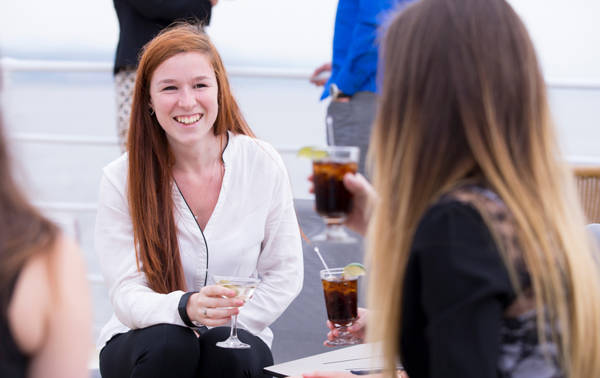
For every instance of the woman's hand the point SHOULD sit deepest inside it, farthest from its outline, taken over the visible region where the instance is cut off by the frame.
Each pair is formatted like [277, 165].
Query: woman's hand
[213, 305]
[357, 329]
[321, 74]
[363, 199]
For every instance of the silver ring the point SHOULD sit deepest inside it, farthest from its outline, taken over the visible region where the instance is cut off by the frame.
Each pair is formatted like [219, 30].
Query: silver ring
[205, 313]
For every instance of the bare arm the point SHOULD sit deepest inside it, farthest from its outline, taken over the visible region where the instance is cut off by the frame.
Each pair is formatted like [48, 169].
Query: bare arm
[364, 197]
[51, 314]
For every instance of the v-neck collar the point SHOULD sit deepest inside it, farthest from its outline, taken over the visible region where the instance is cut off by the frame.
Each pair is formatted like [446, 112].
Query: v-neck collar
[223, 190]
[185, 209]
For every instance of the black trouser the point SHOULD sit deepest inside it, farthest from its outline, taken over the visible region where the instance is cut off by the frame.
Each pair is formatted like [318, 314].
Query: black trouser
[167, 350]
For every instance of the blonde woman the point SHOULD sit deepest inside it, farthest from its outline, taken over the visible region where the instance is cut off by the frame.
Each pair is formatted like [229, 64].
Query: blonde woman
[479, 261]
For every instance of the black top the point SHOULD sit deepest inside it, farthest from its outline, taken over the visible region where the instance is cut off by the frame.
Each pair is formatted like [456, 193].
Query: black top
[13, 363]
[456, 292]
[142, 20]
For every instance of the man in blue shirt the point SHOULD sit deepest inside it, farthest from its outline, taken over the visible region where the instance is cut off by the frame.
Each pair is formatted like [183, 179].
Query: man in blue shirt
[353, 69]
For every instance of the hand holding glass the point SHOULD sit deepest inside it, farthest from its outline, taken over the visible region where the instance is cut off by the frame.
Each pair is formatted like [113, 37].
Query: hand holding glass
[341, 296]
[244, 288]
[333, 200]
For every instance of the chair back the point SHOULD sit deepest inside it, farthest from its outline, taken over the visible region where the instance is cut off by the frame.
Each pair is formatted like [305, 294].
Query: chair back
[588, 186]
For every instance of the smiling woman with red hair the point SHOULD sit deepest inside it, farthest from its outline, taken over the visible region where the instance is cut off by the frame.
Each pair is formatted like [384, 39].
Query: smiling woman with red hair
[196, 195]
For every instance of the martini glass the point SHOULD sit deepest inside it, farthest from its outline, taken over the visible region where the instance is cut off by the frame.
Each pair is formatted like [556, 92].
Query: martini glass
[244, 287]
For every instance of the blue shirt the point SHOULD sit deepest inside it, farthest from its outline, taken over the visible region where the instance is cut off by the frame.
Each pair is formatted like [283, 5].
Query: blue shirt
[354, 64]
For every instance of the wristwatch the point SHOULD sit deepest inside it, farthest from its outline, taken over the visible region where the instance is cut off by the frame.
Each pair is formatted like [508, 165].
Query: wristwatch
[335, 92]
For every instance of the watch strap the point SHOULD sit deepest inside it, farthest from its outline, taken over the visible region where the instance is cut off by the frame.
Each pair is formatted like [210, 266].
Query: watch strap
[182, 308]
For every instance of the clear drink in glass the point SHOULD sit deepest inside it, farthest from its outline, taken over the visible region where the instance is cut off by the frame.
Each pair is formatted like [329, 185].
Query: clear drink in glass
[244, 288]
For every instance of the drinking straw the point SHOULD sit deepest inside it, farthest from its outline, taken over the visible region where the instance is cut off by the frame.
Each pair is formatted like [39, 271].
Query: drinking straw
[316, 249]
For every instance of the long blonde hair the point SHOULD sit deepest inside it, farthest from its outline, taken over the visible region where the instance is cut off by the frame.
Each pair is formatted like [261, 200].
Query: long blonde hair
[463, 96]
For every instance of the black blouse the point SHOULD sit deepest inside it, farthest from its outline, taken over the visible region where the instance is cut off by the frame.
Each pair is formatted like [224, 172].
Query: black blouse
[13, 362]
[456, 292]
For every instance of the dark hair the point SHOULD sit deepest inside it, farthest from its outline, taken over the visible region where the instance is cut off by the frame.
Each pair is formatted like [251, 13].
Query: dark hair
[24, 232]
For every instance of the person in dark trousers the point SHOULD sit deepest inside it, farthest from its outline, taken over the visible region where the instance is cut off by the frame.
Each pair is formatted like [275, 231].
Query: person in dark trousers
[139, 22]
[195, 196]
[352, 83]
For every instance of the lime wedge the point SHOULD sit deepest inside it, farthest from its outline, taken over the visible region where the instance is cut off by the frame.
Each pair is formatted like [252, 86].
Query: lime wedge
[311, 153]
[354, 270]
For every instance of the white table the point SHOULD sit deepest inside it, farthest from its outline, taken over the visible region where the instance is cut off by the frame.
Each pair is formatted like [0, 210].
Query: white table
[356, 357]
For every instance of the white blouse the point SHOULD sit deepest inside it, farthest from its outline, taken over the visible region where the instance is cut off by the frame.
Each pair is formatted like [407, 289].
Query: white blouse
[253, 231]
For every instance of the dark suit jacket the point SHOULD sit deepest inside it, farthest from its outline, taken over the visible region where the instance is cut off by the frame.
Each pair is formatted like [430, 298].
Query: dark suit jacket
[142, 20]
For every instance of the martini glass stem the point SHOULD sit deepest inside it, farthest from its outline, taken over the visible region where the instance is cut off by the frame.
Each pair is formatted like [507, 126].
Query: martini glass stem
[233, 334]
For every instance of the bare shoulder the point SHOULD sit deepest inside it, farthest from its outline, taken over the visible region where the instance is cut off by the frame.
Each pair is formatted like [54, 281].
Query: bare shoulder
[44, 280]
[67, 275]
[27, 312]
[66, 255]
[50, 315]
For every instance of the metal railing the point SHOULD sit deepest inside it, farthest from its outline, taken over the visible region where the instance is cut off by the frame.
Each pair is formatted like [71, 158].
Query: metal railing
[9, 64]
[32, 65]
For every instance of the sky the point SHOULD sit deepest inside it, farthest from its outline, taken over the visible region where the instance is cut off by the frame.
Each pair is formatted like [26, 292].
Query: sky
[281, 33]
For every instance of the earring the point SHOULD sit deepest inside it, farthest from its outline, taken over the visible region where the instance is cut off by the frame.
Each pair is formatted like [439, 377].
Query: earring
[151, 112]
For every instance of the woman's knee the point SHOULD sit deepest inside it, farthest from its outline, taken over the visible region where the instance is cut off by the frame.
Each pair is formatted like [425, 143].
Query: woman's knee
[223, 362]
[153, 352]
[171, 342]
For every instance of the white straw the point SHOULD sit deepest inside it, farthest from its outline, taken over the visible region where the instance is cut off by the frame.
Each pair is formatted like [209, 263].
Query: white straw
[316, 249]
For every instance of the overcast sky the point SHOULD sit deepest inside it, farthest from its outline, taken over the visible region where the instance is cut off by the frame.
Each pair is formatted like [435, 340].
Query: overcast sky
[281, 32]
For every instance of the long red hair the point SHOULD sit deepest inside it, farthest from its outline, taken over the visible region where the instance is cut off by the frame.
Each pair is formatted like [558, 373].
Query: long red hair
[150, 182]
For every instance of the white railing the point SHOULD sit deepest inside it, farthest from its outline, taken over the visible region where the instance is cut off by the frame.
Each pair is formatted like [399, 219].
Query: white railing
[555, 83]
[8, 65]
[94, 140]
[35, 65]
[64, 139]
[31, 65]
